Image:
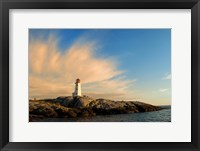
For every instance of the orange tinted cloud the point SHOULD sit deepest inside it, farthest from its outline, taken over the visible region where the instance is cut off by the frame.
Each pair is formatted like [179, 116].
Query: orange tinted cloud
[52, 73]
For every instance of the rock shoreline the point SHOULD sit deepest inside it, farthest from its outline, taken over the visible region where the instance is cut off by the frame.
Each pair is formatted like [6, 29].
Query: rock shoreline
[68, 107]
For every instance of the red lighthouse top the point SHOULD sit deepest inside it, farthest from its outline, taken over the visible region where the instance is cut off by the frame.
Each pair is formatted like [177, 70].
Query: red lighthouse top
[78, 81]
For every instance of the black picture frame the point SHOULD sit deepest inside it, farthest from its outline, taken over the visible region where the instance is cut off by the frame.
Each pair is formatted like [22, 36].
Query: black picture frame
[5, 5]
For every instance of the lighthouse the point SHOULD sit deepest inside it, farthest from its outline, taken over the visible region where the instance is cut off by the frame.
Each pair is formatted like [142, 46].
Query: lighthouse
[77, 91]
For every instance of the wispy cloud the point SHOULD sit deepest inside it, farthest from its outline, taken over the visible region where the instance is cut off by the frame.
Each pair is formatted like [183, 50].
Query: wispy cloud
[117, 88]
[163, 90]
[167, 77]
[52, 72]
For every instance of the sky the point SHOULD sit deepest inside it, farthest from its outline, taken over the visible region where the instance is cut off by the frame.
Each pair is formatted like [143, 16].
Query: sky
[118, 64]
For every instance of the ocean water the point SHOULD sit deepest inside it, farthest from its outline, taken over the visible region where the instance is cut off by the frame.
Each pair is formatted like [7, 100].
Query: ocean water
[163, 115]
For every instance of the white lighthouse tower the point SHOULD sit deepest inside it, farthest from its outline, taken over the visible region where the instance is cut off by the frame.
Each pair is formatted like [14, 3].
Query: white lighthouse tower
[77, 91]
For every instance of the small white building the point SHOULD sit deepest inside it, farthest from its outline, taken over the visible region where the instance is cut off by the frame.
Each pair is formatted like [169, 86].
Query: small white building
[77, 91]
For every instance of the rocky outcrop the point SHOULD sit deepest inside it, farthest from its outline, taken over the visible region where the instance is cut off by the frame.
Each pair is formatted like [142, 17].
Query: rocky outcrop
[69, 107]
[79, 102]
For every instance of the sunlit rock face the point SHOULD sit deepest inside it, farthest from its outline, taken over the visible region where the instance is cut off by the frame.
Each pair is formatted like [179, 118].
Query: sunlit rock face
[81, 101]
